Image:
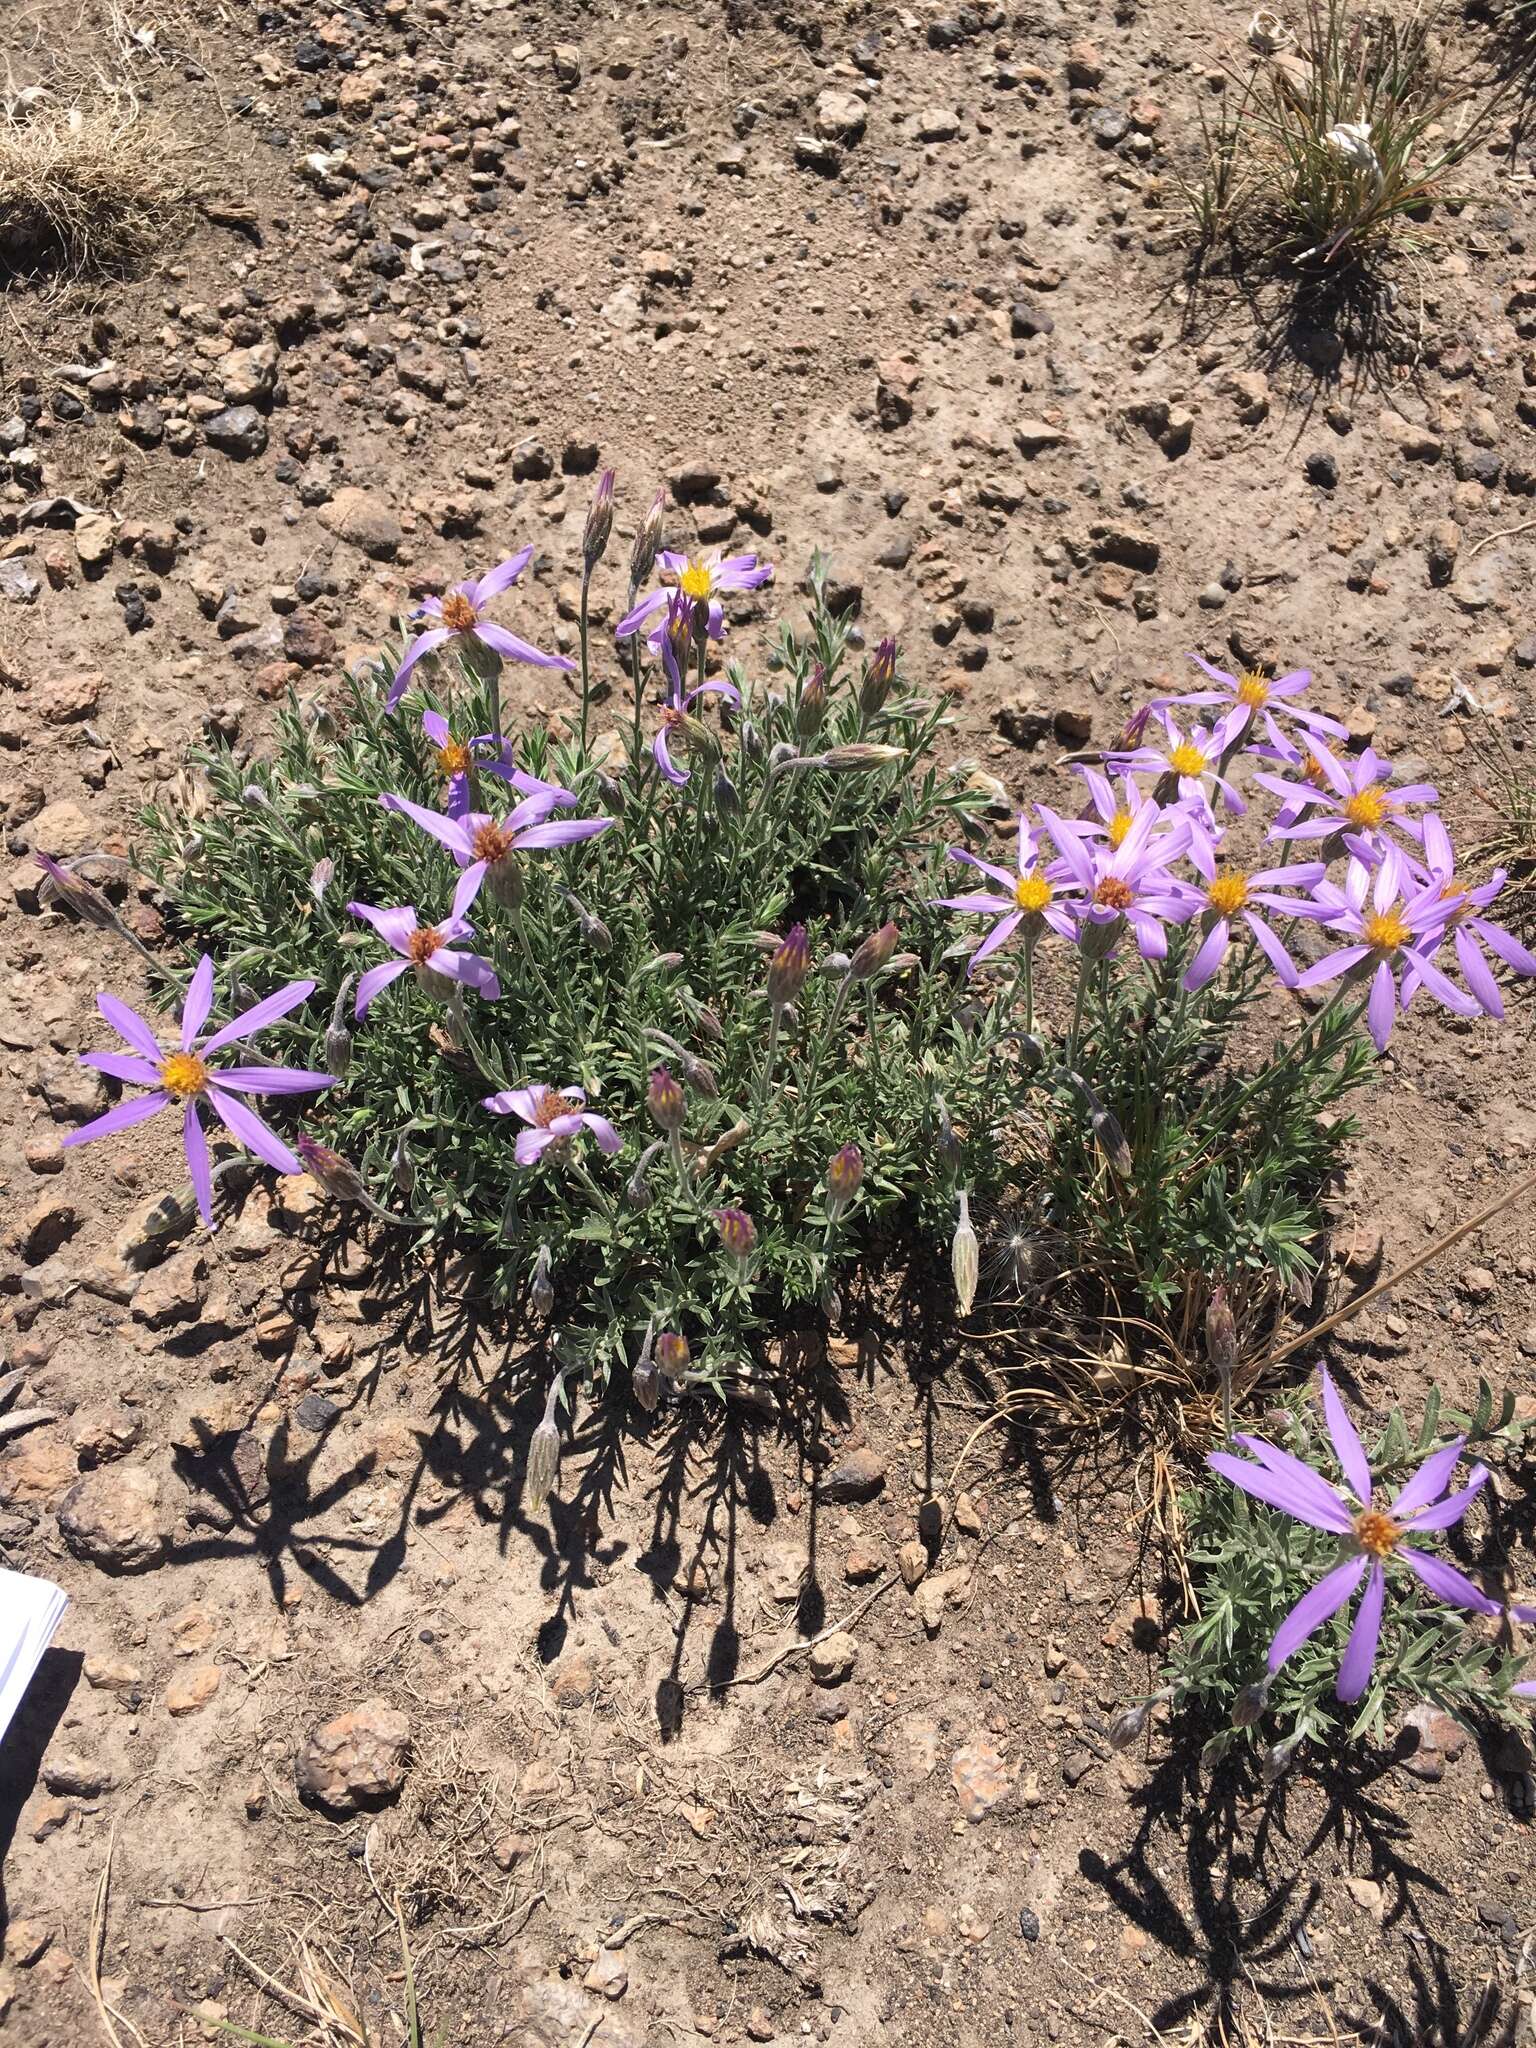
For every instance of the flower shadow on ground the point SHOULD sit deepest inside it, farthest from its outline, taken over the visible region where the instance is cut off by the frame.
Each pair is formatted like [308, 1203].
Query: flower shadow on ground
[1232, 1857]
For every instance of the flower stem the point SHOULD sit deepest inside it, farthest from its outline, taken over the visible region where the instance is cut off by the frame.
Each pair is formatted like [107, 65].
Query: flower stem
[586, 669]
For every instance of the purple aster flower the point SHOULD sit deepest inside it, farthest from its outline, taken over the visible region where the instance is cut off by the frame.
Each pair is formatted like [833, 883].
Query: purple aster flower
[1033, 897]
[1465, 923]
[1232, 894]
[430, 949]
[1252, 699]
[185, 1076]
[1393, 925]
[1128, 883]
[1370, 1535]
[461, 615]
[459, 764]
[486, 848]
[1193, 760]
[1111, 813]
[554, 1116]
[1353, 798]
[700, 579]
[1313, 764]
[678, 723]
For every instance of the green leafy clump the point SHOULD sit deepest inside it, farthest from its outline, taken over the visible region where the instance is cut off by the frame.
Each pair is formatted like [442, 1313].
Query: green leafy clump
[647, 946]
[1250, 1564]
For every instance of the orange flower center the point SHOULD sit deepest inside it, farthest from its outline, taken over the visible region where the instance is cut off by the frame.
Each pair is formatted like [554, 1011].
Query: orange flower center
[183, 1075]
[1385, 931]
[454, 758]
[1377, 1534]
[423, 944]
[1032, 892]
[1187, 759]
[1119, 825]
[1113, 894]
[491, 842]
[1227, 894]
[1253, 689]
[1312, 771]
[547, 1105]
[1368, 808]
[1453, 892]
[459, 614]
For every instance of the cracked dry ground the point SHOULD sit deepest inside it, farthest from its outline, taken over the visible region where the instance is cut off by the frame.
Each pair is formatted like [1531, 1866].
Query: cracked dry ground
[907, 285]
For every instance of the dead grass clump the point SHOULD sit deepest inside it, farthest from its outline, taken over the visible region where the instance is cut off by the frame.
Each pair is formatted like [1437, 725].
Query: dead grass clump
[89, 189]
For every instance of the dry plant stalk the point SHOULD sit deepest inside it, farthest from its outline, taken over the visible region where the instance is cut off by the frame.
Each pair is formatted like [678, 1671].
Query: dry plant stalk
[89, 188]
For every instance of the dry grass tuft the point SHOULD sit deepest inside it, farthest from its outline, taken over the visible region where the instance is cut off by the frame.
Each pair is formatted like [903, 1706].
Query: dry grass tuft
[91, 188]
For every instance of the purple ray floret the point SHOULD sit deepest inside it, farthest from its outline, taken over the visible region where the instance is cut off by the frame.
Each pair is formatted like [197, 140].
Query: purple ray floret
[553, 1116]
[1369, 1537]
[431, 949]
[186, 1076]
[1035, 896]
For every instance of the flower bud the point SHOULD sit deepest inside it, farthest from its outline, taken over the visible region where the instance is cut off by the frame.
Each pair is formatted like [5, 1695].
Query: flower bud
[727, 797]
[673, 1355]
[636, 1191]
[338, 1176]
[873, 953]
[859, 756]
[700, 1076]
[751, 740]
[965, 1256]
[403, 1168]
[1252, 1701]
[645, 1385]
[1277, 1760]
[1127, 1725]
[83, 898]
[845, 1174]
[946, 1144]
[783, 756]
[811, 704]
[738, 1233]
[787, 970]
[642, 556]
[543, 1467]
[834, 965]
[542, 1291]
[879, 675]
[1111, 1142]
[595, 932]
[599, 526]
[662, 963]
[613, 793]
[1220, 1332]
[709, 1024]
[664, 1099]
[338, 1049]
[321, 876]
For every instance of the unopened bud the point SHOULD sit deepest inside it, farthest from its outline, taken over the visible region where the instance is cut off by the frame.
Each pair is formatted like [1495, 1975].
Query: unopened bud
[664, 1099]
[873, 953]
[811, 705]
[673, 1355]
[1277, 1760]
[645, 1384]
[613, 793]
[701, 1076]
[82, 897]
[788, 968]
[965, 1257]
[403, 1168]
[338, 1176]
[845, 1175]
[946, 1144]
[709, 1024]
[727, 796]
[879, 675]
[543, 1466]
[738, 1233]
[784, 755]
[599, 526]
[751, 740]
[1251, 1702]
[642, 556]
[834, 965]
[662, 963]
[321, 876]
[542, 1291]
[338, 1049]
[1220, 1331]
[859, 756]
[1111, 1142]
[636, 1190]
[1127, 1726]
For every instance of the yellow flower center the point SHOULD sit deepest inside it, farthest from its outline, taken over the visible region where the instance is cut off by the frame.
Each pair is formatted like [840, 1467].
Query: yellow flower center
[1119, 825]
[1253, 689]
[1368, 808]
[1385, 931]
[183, 1075]
[1228, 894]
[1032, 892]
[696, 581]
[1187, 759]
[453, 759]
[422, 945]
[1377, 1534]
[459, 613]
[1113, 894]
